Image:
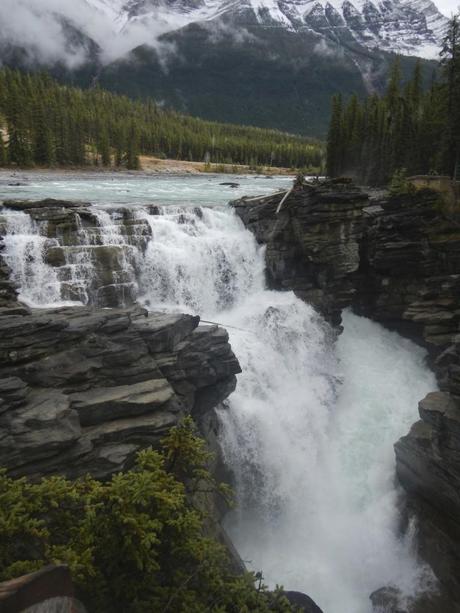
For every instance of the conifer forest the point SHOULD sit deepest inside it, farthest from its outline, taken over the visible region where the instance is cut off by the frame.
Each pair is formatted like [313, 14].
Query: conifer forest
[411, 127]
[46, 124]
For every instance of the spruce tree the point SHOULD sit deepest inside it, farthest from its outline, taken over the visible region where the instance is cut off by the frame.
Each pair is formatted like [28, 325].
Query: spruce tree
[335, 139]
[43, 143]
[3, 158]
[104, 147]
[450, 60]
[132, 151]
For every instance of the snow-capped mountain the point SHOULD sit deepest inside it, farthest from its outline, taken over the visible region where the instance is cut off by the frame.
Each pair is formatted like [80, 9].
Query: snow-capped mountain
[269, 63]
[410, 27]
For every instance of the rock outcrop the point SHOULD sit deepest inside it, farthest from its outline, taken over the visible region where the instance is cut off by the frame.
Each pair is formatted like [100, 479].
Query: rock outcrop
[82, 390]
[49, 589]
[312, 244]
[395, 260]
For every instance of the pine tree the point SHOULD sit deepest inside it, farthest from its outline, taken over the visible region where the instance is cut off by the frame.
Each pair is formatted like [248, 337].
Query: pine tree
[450, 60]
[335, 139]
[19, 150]
[132, 152]
[43, 144]
[104, 146]
[50, 123]
[3, 158]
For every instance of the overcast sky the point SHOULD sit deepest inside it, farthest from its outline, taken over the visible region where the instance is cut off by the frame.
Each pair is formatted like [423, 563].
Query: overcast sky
[448, 6]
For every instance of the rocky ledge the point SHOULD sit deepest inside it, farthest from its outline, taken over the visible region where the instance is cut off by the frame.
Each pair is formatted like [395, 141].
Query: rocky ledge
[82, 390]
[395, 260]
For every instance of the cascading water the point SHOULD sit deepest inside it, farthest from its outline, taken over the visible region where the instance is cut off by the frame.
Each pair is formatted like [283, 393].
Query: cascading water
[314, 458]
[309, 431]
[24, 248]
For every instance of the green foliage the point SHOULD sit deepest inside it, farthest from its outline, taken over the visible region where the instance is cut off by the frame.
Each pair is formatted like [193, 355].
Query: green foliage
[450, 61]
[399, 185]
[49, 123]
[335, 138]
[406, 128]
[135, 543]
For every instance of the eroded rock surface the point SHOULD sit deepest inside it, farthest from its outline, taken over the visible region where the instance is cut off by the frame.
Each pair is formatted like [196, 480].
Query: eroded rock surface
[84, 390]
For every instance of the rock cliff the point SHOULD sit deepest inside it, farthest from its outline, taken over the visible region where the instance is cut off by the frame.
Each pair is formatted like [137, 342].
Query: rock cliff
[83, 389]
[395, 260]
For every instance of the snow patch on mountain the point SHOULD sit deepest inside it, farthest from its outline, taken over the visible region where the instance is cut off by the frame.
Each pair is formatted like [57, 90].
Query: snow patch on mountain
[411, 27]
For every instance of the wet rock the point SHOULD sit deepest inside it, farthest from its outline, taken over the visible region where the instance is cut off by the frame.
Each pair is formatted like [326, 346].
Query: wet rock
[391, 600]
[313, 242]
[8, 292]
[47, 203]
[428, 461]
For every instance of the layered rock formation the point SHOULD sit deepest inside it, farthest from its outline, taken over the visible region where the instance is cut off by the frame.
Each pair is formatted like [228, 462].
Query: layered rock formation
[83, 389]
[92, 265]
[395, 260]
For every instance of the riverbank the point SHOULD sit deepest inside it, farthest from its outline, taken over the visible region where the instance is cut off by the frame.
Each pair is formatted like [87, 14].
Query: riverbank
[149, 166]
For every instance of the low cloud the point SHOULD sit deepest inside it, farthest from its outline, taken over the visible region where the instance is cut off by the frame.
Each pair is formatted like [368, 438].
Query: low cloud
[41, 27]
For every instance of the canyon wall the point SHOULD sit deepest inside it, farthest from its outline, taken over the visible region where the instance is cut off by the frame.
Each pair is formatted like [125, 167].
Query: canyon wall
[394, 259]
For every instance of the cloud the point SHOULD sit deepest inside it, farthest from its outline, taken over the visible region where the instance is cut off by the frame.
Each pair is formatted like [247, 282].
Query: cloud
[41, 27]
[327, 49]
[448, 7]
[37, 28]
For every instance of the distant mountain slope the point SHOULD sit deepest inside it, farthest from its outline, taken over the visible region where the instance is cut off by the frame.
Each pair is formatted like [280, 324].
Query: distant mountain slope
[271, 63]
[270, 78]
[410, 27]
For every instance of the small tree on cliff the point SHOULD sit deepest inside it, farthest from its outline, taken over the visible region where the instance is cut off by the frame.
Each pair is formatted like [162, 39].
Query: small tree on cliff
[135, 543]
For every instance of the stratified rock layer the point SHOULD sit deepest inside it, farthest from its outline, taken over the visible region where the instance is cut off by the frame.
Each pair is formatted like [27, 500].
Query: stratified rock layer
[397, 261]
[83, 390]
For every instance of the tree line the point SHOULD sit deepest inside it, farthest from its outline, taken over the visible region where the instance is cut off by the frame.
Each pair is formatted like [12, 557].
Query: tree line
[410, 127]
[45, 123]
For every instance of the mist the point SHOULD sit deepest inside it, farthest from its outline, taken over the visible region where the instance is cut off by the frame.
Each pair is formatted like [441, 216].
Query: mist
[41, 28]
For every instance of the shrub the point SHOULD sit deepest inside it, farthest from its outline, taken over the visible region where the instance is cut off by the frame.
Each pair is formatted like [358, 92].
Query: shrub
[135, 543]
[399, 185]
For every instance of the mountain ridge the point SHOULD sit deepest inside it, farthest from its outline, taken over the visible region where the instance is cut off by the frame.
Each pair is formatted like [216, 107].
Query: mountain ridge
[409, 28]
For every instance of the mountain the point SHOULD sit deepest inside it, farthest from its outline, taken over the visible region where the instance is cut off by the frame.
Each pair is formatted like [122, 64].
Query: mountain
[403, 26]
[270, 63]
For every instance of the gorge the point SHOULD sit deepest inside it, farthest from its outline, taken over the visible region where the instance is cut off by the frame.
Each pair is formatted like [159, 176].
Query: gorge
[308, 432]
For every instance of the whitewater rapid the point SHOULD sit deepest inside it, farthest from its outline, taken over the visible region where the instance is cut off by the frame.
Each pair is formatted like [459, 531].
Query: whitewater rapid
[309, 431]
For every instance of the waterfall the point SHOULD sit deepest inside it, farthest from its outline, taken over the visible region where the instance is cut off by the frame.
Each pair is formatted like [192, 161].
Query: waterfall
[24, 253]
[310, 435]
[309, 431]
